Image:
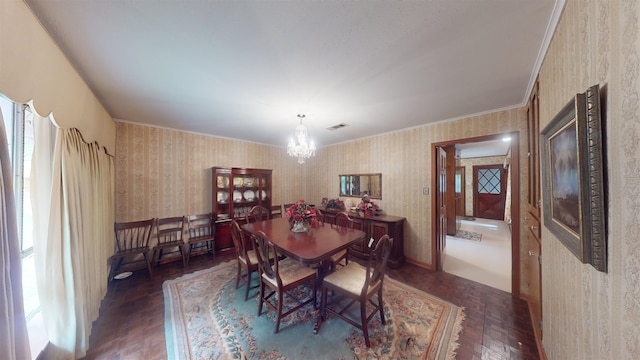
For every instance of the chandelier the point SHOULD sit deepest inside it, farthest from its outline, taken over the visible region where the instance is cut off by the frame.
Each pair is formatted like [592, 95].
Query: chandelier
[301, 149]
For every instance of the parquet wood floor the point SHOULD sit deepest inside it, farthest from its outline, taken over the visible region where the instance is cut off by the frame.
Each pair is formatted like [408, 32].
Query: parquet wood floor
[131, 321]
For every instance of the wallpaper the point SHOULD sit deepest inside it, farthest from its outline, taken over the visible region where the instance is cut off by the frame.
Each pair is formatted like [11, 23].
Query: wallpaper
[589, 314]
[161, 173]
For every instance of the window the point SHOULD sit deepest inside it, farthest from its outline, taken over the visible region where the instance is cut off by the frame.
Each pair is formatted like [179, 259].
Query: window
[489, 181]
[18, 120]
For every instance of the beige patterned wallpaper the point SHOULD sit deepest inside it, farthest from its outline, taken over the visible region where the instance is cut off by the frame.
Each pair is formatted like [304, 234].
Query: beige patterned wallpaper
[589, 314]
[162, 172]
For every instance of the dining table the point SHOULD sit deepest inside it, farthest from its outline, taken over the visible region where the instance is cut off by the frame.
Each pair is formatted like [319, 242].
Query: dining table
[313, 247]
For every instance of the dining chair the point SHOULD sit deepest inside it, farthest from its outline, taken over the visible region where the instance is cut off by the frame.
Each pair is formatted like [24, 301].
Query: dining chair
[257, 213]
[201, 235]
[287, 206]
[359, 284]
[319, 216]
[342, 220]
[276, 211]
[169, 233]
[247, 258]
[281, 276]
[132, 241]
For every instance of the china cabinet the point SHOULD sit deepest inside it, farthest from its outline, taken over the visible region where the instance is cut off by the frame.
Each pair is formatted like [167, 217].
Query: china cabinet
[375, 227]
[235, 192]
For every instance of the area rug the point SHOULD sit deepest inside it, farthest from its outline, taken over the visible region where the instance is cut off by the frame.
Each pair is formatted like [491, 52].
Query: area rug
[207, 318]
[469, 235]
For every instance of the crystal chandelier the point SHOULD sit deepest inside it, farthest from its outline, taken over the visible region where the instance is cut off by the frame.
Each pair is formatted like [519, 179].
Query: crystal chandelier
[301, 149]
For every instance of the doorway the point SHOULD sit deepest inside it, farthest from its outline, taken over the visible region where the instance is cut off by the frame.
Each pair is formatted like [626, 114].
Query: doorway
[513, 181]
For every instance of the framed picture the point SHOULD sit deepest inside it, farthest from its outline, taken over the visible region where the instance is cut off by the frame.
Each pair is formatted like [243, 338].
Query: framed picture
[572, 178]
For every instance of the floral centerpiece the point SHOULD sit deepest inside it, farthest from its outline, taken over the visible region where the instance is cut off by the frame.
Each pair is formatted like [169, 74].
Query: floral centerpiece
[335, 204]
[301, 216]
[368, 207]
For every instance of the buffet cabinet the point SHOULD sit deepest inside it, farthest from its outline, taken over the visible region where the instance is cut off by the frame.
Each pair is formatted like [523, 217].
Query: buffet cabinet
[235, 192]
[374, 227]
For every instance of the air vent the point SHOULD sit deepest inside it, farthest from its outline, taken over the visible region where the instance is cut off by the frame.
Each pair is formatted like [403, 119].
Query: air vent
[336, 127]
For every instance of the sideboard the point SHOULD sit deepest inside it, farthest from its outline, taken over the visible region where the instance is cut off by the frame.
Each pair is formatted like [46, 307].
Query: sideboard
[375, 227]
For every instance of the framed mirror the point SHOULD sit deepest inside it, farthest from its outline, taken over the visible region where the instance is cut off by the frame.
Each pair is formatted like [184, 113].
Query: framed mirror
[356, 184]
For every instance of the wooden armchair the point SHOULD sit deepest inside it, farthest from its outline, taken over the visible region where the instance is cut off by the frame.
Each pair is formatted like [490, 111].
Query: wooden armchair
[342, 220]
[276, 211]
[280, 276]
[169, 232]
[247, 259]
[360, 285]
[257, 213]
[132, 240]
[201, 235]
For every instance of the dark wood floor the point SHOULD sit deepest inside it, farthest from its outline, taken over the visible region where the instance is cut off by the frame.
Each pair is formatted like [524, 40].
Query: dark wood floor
[131, 322]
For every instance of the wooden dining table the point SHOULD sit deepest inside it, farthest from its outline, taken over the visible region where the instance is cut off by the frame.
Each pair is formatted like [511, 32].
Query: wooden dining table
[314, 247]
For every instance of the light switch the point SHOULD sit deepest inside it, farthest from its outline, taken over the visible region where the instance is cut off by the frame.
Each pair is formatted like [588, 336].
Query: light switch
[425, 191]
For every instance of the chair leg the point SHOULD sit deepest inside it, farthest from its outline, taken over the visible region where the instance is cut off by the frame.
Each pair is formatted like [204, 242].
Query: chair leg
[184, 259]
[279, 314]
[238, 274]
[365, 324]
[246, 291]
[261, 298]
[146, 257]
[381, 306]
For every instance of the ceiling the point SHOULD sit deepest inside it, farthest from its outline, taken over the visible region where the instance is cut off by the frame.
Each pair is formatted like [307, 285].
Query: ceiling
[499, 147]
[245, 69]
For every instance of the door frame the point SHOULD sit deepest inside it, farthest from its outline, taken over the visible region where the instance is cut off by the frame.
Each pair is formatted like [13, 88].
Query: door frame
[515, 201]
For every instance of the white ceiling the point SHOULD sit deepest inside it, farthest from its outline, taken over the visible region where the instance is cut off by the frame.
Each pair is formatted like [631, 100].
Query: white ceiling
[483, 149]
[245, 69]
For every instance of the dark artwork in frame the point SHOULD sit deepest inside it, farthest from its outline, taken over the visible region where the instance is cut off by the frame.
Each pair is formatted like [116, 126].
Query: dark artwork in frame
[573, 178]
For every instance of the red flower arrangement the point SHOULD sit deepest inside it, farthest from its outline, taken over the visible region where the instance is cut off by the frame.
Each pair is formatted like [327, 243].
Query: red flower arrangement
[301, 212]
[368, 207]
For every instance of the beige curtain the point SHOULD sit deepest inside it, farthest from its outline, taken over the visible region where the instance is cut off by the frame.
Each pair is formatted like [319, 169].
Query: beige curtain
[14, 340]
[73, 225]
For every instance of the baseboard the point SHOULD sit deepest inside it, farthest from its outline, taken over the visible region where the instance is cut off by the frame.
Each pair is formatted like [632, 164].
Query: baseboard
[541, 352]
[419, 263]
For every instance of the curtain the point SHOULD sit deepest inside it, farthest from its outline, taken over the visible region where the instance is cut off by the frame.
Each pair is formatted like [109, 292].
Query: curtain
[14, 340]
[74, 224]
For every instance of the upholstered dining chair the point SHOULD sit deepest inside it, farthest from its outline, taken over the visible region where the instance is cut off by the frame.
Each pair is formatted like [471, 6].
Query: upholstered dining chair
[343, 220]
[276, 211]
[281, 276]
[257, 213]
[359, 284]
[132, 241]
[201, 235]
[169, 233]
[247, 258]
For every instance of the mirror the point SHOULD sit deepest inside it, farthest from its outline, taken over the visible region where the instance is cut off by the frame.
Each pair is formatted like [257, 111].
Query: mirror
[355, 184]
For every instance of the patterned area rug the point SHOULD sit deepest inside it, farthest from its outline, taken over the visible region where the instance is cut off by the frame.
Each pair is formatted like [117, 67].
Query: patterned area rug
[206, 318]
[469, 235]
